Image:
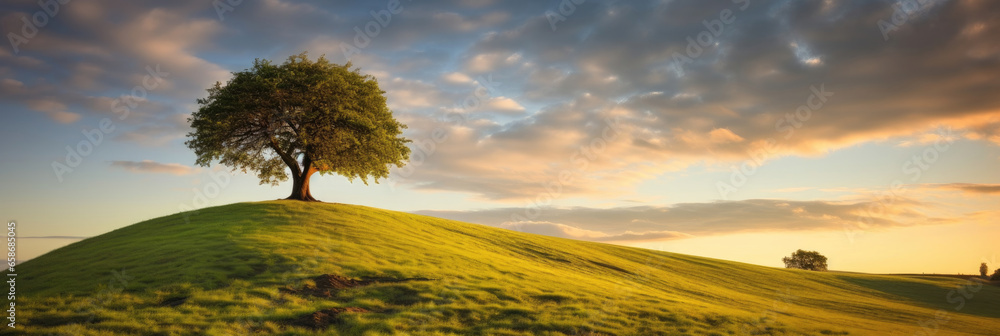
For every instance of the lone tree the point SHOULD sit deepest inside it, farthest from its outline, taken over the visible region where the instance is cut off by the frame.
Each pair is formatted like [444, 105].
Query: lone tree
[300, 117]
[983, 269]
[807, 260]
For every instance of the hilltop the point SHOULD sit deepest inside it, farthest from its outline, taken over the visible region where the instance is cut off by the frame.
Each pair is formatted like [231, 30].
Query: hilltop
[297, 268]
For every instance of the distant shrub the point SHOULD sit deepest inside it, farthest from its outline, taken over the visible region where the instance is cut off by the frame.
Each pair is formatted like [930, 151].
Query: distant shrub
[807, 260]
[996, 275]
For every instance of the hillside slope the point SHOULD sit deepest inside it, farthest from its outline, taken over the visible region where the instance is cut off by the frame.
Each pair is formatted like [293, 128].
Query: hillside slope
[252, 268]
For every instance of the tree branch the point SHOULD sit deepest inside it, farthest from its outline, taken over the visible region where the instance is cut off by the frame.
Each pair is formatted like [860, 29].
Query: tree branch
[288, 159]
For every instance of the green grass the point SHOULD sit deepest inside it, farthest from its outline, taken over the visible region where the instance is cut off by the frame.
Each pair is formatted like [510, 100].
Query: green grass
[218, 271]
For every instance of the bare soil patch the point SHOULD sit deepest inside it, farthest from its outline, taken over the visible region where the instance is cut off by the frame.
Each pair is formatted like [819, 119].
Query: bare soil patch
[324, 318]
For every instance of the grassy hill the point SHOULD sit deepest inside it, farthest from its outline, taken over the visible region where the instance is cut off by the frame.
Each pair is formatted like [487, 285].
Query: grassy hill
[254, 268]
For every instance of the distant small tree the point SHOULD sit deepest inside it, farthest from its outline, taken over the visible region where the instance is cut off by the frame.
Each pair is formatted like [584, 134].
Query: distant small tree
[996, 275]
[983, 269]
[807, 260]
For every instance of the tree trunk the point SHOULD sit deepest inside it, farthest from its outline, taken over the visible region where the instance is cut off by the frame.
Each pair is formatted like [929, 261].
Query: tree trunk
[300, 183]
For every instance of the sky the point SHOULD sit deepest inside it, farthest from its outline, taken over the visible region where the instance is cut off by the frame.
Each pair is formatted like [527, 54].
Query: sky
[742, 130]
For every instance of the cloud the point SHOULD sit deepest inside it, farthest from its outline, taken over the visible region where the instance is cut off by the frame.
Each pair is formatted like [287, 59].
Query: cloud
[555, 90]
[972, 188]
[683, 220]
[722, 135]
[463, 23]
[988, 130]
[566, 231]
[646, 236]
[456, 78]
[55, 110]
[83, 61]
[490, 62]
[502, 105]
[928, 139]
[162, 131]
[152, 167]
[552, 229]
[734, 97]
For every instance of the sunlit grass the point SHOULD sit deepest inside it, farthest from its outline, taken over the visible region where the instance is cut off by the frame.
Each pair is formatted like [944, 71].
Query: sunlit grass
[219, 271]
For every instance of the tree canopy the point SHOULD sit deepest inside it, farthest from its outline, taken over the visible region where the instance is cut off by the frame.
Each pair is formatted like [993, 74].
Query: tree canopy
[807, 260]
[298, 118]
